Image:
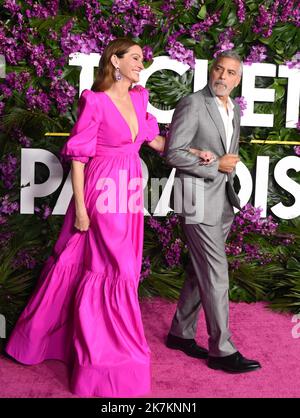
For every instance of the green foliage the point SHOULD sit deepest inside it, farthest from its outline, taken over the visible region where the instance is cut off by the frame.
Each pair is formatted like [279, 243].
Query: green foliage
[164, 282]
[276, 281]
[15, 285]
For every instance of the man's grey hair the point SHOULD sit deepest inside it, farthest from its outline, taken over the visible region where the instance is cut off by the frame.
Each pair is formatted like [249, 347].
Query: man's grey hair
[229, 54]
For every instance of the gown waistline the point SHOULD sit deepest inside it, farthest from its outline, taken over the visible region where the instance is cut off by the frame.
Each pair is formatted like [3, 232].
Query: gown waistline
[116, 152]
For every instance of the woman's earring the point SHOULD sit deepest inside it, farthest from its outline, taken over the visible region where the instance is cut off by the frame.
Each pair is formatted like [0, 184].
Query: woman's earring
[118, 76]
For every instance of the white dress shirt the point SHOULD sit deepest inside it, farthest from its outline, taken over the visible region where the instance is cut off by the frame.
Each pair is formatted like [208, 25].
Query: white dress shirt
[227, 117]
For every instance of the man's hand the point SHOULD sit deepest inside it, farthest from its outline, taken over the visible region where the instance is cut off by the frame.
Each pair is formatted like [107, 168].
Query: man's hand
[228, 162]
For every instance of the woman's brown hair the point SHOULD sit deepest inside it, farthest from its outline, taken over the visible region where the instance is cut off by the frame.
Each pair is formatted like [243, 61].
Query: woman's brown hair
[105, 74]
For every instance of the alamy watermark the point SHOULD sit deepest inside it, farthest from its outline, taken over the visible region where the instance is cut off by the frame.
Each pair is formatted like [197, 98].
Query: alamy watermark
[296, 328]
[2, 66]
[126, 195]
[2, 326]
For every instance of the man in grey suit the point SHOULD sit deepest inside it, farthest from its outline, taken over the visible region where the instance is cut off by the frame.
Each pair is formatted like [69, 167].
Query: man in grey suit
[207, 120]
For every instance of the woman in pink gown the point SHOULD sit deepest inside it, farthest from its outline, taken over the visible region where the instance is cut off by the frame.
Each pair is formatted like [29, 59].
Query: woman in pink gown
[85, 310]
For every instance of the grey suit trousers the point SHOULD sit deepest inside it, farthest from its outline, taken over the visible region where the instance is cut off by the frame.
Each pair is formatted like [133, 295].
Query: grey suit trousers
[206, 285]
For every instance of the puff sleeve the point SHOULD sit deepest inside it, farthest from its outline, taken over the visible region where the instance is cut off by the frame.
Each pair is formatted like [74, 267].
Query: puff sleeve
[151, 125]
[81, 144]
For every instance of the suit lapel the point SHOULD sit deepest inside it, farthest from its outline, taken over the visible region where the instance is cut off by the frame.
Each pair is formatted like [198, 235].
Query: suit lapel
[215, 115]
[235, 130]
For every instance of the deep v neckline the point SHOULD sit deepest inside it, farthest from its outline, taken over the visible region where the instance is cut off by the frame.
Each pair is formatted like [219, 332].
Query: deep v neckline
[120, 113]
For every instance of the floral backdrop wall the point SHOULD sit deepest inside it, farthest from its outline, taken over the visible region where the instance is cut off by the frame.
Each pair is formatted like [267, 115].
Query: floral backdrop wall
[39, 94]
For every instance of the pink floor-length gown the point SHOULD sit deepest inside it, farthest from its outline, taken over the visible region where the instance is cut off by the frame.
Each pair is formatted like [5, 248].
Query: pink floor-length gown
[85, 309]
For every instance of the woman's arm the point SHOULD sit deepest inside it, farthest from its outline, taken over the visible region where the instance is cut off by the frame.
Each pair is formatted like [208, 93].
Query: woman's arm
[158, 144]
[82, 221]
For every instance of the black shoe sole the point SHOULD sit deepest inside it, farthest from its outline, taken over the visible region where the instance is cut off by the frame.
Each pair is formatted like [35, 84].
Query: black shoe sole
[224, 369]
[204, 356]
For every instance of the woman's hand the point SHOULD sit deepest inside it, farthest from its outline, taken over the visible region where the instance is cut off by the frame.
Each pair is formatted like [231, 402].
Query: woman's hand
[82, 221]
[206, 157]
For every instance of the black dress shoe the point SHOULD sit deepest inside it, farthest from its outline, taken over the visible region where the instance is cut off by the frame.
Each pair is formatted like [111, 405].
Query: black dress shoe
[235, 363]
[188, 346]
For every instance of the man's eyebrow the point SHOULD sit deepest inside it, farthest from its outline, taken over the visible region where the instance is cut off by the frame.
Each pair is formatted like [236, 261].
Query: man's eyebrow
[228, 69]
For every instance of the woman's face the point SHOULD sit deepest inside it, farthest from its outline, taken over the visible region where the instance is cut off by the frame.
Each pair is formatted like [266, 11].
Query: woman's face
[131, 64]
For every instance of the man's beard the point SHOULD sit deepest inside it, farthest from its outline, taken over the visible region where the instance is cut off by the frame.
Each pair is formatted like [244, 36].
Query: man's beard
[219, 91]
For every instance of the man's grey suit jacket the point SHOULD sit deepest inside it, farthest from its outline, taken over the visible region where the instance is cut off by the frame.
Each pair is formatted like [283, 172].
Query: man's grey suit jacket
[197, 123]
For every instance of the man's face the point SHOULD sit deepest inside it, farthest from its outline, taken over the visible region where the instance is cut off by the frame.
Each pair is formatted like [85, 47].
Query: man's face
[224, 76]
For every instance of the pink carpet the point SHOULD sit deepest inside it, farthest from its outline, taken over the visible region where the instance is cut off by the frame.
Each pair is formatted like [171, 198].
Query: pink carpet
[257, 332]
